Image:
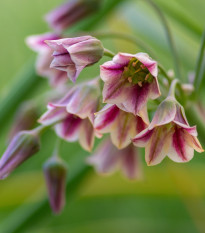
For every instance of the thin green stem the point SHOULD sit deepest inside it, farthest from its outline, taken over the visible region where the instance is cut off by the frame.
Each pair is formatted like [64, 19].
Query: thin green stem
[168, 35]
[123, 36]
[173, 88]
[108, 53]
[56, 152]
[164, 73]
[198, 77]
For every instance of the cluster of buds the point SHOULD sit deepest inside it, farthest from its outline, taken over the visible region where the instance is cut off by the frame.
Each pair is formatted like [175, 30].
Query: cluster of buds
[114, 103]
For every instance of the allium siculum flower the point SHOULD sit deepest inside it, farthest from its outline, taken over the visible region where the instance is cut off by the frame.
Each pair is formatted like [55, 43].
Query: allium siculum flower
[70, 13]
[168, 134]
[121, 125]
[55, 171]
[75, 114]
[107, 159]
[22, 146]
[130, 80]
[72, 55]
[37, 44]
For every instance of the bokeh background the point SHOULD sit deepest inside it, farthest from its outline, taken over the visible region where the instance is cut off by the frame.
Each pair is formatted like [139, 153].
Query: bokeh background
[170, 197]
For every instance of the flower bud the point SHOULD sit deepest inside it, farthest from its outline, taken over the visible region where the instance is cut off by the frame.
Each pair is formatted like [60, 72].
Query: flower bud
[55, 171]
[22, 147]
[25, 118]
[70, 13]
[72, 55]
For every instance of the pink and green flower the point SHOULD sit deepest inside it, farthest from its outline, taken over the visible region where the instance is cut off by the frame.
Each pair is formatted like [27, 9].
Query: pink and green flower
[130, 80]
[168, 134]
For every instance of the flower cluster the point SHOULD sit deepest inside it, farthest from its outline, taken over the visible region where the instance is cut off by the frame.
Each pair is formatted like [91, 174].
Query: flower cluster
[114, 103]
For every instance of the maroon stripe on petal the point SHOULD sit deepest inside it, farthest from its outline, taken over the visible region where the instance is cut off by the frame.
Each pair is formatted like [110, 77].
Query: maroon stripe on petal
[108, 117]
[179, 143]
[70, 125]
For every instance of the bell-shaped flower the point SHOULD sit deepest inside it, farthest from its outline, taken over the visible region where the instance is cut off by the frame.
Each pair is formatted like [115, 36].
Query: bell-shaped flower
[107, 159]
[37, 44]
[55, 171]
[130, 80]
[121, 125]
[22, 146]
[168, 134]
[72, 55]
[70, 13]
[73, 115]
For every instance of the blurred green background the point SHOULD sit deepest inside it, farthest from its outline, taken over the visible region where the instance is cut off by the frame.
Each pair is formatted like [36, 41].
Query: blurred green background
[170, 198]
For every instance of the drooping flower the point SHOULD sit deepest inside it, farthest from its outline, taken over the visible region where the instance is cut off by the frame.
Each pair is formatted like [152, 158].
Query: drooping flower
[73, 115]
[22, 146]
[130, 80]
[37, 44]
[107, 159]
[168, 134]
[121, 125]
[72, 55]
[70, 13]
[55, 171]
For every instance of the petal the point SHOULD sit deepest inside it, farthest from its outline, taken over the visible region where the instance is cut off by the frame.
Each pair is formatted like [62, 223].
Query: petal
[136, 98]
[180, 115]
[130, 161]
[122, 58]
[61, 45]
[154, 92]
[53, 115]
[180, 151]
[192, 141]
[105, 159]
[142, 138]
[86, 52]
[191, 130]
[158, 145]
[126, 128]
[144, 115]
[86, 135]
[165, 113]
[106, 118]
[148, 62]
[116, 92]
[69, 128]
[37, 42]
[110, 71]
[81, 100]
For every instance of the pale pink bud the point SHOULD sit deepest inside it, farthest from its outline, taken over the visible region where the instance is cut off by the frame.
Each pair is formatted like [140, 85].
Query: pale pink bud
[55, 172]
[23, 146]
[72, 55]
[70, 13]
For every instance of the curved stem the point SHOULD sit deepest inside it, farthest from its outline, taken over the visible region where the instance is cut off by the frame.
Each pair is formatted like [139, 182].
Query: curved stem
[162, 70]
[169, 36]
[173, 87]
[123, 36]
[108, 53]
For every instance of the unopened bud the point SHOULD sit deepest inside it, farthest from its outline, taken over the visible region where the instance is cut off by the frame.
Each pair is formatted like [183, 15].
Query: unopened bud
[22, 147]
[55, 171]
[70, 13]
[25, 118]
